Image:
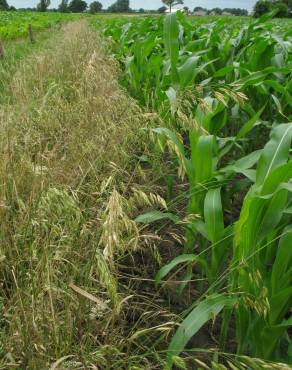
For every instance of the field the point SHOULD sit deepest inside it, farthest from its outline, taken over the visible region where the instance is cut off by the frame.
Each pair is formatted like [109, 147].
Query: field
[145, 194]
[15, 24]
[223, 90]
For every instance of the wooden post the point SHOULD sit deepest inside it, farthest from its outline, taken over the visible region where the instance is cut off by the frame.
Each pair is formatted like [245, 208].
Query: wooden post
[30, 34]
[1, 50]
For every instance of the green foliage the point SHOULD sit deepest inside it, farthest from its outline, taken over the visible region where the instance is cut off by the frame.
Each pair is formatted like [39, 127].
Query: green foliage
[95, 7]
[43, 5]
[15, 24]
[208, 308]
[63, 7]
[120, 6]
[4, 5]
[222, 88]
[281, 9]
[77, 6]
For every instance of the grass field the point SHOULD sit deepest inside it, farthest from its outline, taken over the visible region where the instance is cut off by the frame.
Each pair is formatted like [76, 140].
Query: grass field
[145, 194]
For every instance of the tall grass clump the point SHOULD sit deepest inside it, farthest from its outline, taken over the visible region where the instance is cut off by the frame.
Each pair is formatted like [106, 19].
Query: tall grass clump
[67, 137]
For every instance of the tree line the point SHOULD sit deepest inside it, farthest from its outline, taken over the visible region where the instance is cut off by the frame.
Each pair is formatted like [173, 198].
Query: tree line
[73, 6]
[281, 8]
[119, 6]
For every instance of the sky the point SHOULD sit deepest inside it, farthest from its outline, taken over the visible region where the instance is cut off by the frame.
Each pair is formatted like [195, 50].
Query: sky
[153, 4]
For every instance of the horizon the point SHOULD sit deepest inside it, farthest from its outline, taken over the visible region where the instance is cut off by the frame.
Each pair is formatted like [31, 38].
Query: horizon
[152, 4]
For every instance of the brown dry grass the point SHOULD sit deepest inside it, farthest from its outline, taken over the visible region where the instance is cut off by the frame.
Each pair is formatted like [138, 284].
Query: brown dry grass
[67, 138]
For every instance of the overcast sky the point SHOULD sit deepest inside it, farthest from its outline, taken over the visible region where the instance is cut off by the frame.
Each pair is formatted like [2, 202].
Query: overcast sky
[153, 4]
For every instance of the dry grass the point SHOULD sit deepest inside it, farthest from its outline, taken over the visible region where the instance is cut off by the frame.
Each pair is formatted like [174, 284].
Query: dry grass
[67, 137]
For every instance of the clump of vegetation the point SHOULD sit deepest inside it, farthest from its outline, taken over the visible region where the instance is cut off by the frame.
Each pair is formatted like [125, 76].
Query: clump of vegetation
[4, 5]
[43, 5]
[155, 236]
[224, 93]
[77, 6]
[120, 6]
[15, 24]
[67, 132]
[281, 8]
[95, 7]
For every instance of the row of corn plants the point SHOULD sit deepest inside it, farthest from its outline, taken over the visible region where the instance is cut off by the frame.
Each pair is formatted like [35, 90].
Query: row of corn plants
[223, 90]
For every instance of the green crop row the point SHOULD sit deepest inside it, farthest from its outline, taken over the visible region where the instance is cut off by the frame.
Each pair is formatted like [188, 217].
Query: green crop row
[15, 24]
[223, 88]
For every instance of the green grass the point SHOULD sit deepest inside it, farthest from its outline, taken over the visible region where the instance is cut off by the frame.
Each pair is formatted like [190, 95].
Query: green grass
[16, 50]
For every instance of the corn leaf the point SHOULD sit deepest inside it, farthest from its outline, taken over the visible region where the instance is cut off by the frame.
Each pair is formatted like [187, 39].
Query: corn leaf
[250, 124]
[213, 215]
[171, 42]
[275, 152]
[183, 258]
[202, 313]
[150, 217]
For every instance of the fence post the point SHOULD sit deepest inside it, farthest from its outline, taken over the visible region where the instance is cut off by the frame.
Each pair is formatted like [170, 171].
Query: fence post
[30, 34]
[1, 50]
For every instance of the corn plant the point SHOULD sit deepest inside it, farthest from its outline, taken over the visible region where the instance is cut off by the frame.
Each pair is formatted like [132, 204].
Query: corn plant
[223, 90]
[262, 251]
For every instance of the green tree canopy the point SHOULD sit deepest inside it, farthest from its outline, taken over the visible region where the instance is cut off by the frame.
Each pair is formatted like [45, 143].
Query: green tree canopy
[63, 7]
[4, 5]
[77, 6]
[95, 7]
[283, 8]
[43, 5]
[217, 11]
[120, 6]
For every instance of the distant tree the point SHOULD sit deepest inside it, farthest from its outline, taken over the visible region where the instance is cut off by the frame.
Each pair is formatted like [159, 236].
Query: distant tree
[243, 12]
[162, 9]
[199, 8]
[43, 5]
[120, 6]
[186, 9]
[289, 5]
[262, 7]
[216, 11]
[141, 10]
[282, 10]
[4, 5]
[12, 8]
[236, 11]
[171, 3]
[95, 7]
[77, 6]
[63, 7]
